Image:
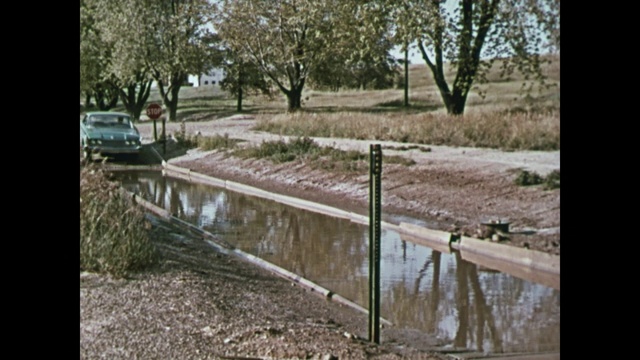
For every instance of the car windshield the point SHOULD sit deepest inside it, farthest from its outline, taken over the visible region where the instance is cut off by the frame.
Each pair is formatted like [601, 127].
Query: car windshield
[110, 121]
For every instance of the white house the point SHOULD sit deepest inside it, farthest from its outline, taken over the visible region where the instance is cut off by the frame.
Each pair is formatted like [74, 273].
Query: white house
[212, 78]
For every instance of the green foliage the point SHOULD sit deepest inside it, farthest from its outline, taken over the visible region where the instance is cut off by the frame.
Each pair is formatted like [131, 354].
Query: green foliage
[526, 178]
[292, 42]
[216, 142]
[469, 36]
[114, 234]
[127, 43]
[317, 157]
[280, 151]
[243, 78]
[552, 180]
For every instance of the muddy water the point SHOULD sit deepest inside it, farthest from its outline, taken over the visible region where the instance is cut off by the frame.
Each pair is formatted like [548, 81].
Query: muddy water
[457, 303]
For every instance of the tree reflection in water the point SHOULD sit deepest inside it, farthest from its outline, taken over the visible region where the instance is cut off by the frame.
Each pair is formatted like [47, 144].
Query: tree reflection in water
[484, 319]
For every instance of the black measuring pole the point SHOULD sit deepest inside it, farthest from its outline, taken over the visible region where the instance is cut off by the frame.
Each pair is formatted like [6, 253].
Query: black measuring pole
[164, 136]
[375, 169]
[155, 131]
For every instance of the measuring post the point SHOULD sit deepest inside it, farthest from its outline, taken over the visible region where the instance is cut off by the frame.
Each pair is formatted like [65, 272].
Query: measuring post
[375, 170]
[164, 137]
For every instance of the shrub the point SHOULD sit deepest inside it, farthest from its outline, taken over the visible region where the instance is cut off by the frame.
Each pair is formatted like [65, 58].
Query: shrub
[552, 180]
[318, 157]
[114, 234]
[526, 178]
[183, 139]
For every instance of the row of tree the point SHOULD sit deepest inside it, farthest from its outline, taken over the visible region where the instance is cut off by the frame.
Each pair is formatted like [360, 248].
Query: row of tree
[125, 45]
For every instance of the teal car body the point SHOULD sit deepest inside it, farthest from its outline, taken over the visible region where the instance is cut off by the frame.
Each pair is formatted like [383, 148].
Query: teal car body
[107, 133]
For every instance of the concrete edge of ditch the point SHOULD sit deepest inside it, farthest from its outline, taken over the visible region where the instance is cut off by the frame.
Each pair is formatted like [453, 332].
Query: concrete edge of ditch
[225, 248]
[530, 260]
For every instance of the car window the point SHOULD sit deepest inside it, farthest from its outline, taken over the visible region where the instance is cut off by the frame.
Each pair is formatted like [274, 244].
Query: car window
[120, 121]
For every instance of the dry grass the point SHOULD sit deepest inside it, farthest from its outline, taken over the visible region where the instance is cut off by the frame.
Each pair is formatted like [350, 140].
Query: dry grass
[114, 234]
[505, 130]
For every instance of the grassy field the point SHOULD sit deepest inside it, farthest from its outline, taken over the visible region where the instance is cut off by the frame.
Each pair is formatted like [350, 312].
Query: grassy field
[503, 118]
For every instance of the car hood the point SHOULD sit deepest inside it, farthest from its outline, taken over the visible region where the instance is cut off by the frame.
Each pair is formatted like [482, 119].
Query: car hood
[119, 134]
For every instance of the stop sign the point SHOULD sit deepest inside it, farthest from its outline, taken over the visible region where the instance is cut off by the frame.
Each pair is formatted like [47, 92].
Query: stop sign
[154, 111]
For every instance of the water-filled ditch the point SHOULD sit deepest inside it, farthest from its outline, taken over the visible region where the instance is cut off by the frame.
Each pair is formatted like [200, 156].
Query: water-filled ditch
[462, 304]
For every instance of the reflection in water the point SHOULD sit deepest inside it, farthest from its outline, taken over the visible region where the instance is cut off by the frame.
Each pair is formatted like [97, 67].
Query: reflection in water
[451, 299]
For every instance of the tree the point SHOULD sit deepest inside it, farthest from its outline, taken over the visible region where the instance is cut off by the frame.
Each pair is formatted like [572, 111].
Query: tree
[470, 35]
[122, 26]
[179, 44]
[242, 78]
[95, 56]
[374, 70]
[289, 39]
[111, 60]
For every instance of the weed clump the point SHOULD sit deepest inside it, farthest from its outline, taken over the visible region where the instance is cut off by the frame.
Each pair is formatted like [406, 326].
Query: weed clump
[526, 178]
[217, 142]
[318, 157]
[114, 234]
[281, 151]
[552, 180]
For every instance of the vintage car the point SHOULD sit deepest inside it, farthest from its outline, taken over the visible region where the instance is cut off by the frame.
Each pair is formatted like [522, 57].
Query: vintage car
[107, 133]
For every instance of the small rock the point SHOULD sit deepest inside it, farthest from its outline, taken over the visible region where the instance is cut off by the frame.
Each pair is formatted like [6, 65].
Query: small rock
[206, 331]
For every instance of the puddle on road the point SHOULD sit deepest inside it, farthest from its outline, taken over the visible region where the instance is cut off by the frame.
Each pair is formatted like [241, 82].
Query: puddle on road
[454, 301]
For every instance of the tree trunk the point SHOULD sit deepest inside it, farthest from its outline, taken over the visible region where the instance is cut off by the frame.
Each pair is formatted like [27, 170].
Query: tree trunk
[455, 103]
[294, 98]
[462, 302]
[172, 105]
[239, 105]
[170, 96]
[134, 100]
[105, 98]
[108, 94]
[406, 76]
[294, 95]
[113, 99]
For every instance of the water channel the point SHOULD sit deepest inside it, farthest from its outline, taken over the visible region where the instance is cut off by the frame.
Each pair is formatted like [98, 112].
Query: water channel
[461, 304]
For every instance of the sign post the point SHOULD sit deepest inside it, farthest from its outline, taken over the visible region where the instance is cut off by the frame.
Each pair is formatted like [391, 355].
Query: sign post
[375, 170]
[153, 112]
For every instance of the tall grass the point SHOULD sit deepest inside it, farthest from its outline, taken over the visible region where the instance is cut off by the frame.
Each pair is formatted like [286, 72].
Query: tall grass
[503, 130]
[114, 234]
